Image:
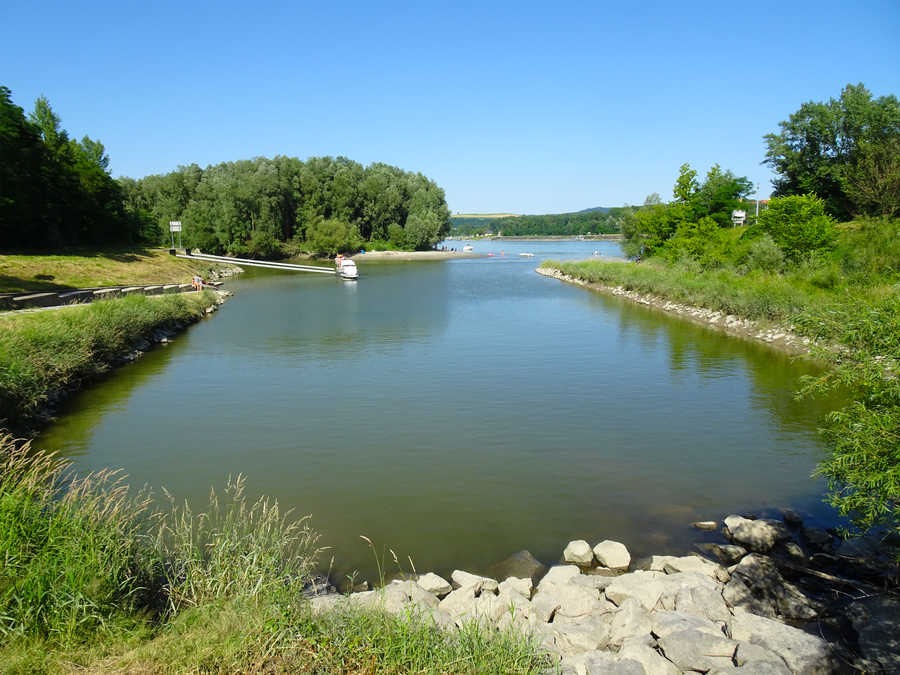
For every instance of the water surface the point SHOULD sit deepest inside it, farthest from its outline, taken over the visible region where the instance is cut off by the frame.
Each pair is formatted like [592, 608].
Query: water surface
[459, 411]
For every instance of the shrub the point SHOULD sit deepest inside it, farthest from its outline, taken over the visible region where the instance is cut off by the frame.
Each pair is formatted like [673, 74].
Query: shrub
[332, 236]
[799, 225]
[764, 254]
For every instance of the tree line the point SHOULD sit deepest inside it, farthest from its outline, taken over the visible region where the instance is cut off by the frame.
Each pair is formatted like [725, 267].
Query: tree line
[584, 222]
[58, 192]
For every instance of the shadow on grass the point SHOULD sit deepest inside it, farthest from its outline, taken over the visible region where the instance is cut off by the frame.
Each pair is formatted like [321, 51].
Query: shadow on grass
[9, 284]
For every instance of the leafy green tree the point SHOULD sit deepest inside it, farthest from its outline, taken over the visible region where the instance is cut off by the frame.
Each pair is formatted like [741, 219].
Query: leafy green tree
[799, 225]
[719, 194]
[686, 184]
[332, 236]
[823, 148]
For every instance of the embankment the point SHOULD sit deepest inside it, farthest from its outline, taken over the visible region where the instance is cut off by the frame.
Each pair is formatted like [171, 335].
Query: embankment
[47, 355]
[779, 335]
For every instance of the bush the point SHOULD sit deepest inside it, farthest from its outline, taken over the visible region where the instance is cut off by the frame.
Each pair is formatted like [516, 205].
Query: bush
[764, 254]
[799, 225]
[263, 244]
[332, 236]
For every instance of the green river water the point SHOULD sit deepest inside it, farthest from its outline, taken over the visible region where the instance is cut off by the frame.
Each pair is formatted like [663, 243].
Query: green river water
[458, 412]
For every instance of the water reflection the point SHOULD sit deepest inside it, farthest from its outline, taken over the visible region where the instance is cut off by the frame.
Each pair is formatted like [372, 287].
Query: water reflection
[459, 412]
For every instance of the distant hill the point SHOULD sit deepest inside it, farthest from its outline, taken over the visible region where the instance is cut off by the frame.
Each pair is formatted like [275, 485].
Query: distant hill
[602, 209]
[485, 216]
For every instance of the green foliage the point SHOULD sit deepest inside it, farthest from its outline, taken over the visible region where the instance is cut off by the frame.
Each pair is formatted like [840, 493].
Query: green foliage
[799, 225]
[595, 221]
[56, 191]
[48, 352]
[844, 151]
[333, 236]
[689, 225]
[842, 293]
[764, 254]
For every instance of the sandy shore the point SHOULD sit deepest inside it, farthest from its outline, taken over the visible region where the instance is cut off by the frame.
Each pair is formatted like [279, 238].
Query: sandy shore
[411, 256]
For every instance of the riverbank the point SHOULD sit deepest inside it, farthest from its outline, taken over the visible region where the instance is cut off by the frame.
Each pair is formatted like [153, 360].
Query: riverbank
[97, 579]
[96, 268]
[779, 336]
[48, 355]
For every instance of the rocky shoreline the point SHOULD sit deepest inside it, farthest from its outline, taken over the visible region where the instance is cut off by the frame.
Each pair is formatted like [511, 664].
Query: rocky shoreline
[782, 338]
[774, 597]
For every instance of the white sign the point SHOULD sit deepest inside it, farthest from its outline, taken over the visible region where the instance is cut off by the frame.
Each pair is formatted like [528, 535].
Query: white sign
[174, 226]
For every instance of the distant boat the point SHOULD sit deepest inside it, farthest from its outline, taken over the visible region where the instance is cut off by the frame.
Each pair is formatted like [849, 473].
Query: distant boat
[345, 268]
[526, 255]
[467, 248]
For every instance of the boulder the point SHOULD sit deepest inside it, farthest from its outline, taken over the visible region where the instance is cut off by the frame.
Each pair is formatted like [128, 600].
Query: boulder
[567, 600]
[600, 663]
[612, 554]
[579, 553]
[690, 563]
[462, 579]
[756, 659]
[756, 535]
[876, 620]
[650, 659]
[521, 587]
[791, 518]
[695, 650]
[596, 581]
[460, 602]
[726, 554]
[665, 623]
[559, 574]
[703, 602]
[757, 585]
[803, 653]
[521, 565]
[817, 539]
[644, 586]
[582, 634]
[434, 584]
[632, 620]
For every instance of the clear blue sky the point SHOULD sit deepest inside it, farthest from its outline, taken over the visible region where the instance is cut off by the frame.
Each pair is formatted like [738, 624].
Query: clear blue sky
[529, 108]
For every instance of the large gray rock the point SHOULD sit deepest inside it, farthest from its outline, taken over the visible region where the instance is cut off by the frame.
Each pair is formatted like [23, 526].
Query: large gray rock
[559, 574]
[462, 579]
[803, 653]
[522, 587]
[632, 620]
[521, 565]
[582, 634]
[567, 600]
[460, 602]
[696, 650]
[612, 554]
[651, 660]
[702, 602]
[726, 554]
[757, 659]
[434, 584]
[579, 553]
[665, 623]
[757, 585]
[756, 535]
[645, 586]
[601, 663]
[688, 563]
[876, 620]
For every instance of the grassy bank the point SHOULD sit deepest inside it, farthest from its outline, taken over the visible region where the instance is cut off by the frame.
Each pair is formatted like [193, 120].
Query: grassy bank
[94, 580]
[44, 354]
[88, 268]
[848, 299]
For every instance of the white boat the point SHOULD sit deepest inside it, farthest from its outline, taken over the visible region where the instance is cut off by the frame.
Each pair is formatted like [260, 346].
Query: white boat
[467, 248]
[346, 269]
[526, 255]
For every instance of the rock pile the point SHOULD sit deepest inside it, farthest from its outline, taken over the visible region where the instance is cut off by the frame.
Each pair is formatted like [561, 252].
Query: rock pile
[599, 613]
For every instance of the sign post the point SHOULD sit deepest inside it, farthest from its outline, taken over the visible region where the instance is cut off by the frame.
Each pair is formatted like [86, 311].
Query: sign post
[175, 226]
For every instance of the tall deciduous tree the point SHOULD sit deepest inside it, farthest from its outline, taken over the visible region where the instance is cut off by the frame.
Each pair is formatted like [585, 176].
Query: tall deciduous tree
[830, 148]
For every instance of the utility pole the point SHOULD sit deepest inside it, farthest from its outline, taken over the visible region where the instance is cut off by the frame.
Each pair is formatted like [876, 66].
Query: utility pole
[757, 201]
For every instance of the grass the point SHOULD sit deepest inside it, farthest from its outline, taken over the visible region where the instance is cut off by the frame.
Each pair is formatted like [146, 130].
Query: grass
[96, 580]
[45, 353]
[87, 268]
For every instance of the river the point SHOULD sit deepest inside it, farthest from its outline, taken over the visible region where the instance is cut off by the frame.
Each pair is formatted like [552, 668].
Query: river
[458, 412]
